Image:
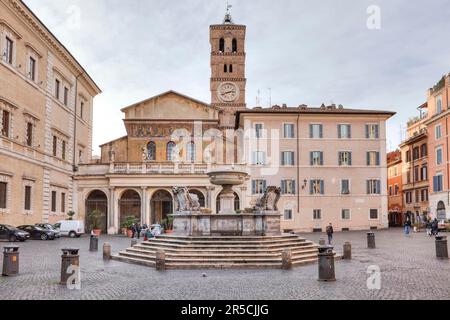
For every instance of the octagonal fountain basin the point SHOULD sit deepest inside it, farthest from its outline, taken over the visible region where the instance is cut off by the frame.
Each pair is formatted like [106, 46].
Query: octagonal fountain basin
[228, 178]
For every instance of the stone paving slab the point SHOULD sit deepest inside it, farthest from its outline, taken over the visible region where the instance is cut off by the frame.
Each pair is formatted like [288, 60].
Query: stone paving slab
[409, 270]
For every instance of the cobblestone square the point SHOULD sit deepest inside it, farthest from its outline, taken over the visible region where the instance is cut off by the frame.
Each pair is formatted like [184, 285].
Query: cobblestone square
[409, 270]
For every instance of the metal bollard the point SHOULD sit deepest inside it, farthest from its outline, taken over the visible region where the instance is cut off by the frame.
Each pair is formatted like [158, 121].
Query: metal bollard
[160, 260]
[441, 247]
[69, 258]
[286, 260]
[106, 251]
[134, 242]
[10, 261]
[371, 240]
[322, 242]
[347, 251]
[93, 244]
[326, 264]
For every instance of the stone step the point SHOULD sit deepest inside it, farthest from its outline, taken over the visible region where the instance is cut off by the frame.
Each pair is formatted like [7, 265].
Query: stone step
[226, 238]
[155, 247]
[261, 252]
[226, 242]
[178, 254]
[142, 262]
[225, 245]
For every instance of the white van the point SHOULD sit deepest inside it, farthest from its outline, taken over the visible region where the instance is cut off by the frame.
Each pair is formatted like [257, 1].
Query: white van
[70, 228]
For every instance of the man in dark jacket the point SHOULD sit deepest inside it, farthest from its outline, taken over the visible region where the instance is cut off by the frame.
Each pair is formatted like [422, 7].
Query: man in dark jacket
[330, 233]
[435, 227]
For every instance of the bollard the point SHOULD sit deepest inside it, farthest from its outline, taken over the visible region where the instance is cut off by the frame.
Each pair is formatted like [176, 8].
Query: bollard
[347, 251]
[286, 260]
[93, 244]
[134, 242]
[322, 242]
[326, 264]
[69, 258]
[441, 247]
[160, 260]
[371, 240]
[10, 261]
[106, 251]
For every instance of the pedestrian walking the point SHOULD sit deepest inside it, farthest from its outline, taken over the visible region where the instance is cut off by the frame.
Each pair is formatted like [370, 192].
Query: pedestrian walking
[133, 230]
[429, 226]
[138, 230]
[330, 233]
[435, 227]
[408, 225]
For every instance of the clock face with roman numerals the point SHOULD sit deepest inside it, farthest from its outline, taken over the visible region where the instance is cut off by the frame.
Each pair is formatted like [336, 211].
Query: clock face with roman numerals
[228, 92]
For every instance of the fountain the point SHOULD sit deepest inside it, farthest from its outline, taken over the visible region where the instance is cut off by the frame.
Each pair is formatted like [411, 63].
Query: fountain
[262, 220]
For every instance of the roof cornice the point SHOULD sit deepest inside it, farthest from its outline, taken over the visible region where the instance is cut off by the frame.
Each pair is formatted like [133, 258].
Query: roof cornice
[36, 25]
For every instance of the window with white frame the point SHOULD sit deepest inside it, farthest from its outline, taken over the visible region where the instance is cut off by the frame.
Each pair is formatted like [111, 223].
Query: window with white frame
[317, 186]
[439, 158]
[9, 50]
[287, 158]
[66, 96]
[32, 68]
[316, 131]
[288, 186]
[258, 158]
[259, 186]
[373, 214]
[289, 131]
[3, 195]
[373, 158]
[259, 130]
[373, 186]
[438, 104]
[372, 131]
[6, 123]
[345, 214]
[344, 131]
[316, 158]
[191, 152]
[345, 186]
[288, 215]
[317, 214]
[345, 158]
[438, 131]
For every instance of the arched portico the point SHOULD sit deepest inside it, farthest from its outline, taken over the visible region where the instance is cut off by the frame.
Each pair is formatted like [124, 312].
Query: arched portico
[161, 205]
[97, 200]
[130, 204]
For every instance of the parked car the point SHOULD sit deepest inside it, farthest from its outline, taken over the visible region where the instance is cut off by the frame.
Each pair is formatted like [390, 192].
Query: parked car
[70, 228]
[13, 234]
[37, 233]
[156, 229]
[48, 226]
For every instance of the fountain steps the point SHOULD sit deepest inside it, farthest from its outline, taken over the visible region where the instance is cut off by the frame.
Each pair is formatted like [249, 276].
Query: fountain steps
[218, 253]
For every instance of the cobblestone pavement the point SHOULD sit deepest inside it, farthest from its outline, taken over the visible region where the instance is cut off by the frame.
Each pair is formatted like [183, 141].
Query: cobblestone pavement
[409, 270]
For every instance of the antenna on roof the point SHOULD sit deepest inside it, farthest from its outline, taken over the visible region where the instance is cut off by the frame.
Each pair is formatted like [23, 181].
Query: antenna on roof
[270, 97]
[258, 99]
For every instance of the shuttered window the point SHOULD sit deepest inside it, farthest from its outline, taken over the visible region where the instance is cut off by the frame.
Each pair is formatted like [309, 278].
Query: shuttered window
[27, 198]
[3, 194]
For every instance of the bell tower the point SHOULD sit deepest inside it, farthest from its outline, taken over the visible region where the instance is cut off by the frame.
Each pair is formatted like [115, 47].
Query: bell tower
[228, 80]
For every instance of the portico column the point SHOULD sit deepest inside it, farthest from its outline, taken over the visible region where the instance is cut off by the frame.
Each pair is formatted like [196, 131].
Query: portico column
[111, 212]
[145, 216]
[209, 198]
[116, 211]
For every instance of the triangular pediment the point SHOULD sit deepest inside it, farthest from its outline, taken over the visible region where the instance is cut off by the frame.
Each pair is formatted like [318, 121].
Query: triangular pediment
[171, 105]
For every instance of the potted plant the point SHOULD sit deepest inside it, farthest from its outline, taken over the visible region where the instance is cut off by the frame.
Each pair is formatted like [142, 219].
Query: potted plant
[71, 214]
[167, 224]
[238, 211]
[96, 221]
[129, 221]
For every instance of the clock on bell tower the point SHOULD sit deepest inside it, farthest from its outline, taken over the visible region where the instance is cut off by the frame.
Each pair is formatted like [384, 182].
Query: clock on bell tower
[228, 69]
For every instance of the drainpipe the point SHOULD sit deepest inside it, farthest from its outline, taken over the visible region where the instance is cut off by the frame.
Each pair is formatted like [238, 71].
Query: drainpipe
[74, 163]
[298, 162]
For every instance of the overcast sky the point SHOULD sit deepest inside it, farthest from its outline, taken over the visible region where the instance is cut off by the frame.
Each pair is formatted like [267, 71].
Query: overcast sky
[307, 51]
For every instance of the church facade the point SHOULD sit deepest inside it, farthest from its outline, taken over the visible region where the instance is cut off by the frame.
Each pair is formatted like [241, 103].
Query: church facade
[329, 161]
